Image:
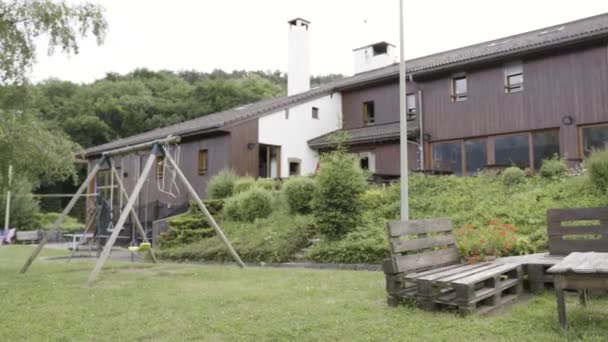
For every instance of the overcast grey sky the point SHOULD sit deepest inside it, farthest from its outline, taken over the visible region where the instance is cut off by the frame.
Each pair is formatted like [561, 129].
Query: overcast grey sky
[252, 35]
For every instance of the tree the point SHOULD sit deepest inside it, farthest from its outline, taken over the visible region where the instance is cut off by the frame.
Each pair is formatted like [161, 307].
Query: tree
[22, 21]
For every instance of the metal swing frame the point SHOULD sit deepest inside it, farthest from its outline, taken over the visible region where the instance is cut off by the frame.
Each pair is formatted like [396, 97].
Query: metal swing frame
[156, 149]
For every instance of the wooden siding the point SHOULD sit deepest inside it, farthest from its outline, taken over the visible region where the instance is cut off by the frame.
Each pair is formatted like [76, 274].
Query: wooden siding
[386, 104]
[388, 158]
[243, 159]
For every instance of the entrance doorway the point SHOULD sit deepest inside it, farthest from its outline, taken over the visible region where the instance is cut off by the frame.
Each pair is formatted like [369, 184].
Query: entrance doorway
[270, 161]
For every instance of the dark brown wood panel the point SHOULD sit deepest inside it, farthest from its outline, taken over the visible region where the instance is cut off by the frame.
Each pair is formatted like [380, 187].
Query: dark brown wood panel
[388, 157]
[386, 103]
[243, 159]
[579, 237]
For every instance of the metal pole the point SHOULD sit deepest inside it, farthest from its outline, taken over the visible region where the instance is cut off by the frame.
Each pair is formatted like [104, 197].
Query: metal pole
[203, 209]
[61, 217]
[403, 121]
[7, 214]
[123, 216]
[138, 225]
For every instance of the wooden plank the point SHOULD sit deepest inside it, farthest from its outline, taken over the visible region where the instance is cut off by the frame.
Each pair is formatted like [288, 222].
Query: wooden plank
[577, 214]
[405, 263]
[582, 263]
[477, 277]
[432, 271]
[463, 268]
[578, 230]
[459, 275]
[413, 227]
[564, 247]
[399, 246]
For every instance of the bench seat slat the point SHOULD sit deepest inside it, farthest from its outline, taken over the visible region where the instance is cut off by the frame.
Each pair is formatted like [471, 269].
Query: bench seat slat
[412, 262]
[494, 271]
[400, 228]
[456, 273]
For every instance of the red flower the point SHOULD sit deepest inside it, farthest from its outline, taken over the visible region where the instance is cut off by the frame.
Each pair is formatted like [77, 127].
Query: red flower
[494, 221]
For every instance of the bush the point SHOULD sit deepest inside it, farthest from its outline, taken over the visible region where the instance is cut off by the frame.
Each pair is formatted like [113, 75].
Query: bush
[364, 245]
[299, 192]
[269, 184]
[186, 228]
[249, 205]
[222, 185]
[553, 168]
[513, 175]
[70, 224]
[597, 164]
[337, 200]
[243, 184]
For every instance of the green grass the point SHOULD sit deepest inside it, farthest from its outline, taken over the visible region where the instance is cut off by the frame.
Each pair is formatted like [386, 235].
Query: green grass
[174, 302]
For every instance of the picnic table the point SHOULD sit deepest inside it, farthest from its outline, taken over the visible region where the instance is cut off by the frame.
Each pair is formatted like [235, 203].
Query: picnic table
[581, 272]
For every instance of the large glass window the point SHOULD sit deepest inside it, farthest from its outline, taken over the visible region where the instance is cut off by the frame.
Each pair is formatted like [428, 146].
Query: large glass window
[512, 150]
[476, 155]
[595, 137]
[545, 145]
[448, 157]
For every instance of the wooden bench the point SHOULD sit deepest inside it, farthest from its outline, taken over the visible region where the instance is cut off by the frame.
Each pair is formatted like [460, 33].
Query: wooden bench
[29, 236]
[568, 231]
[425, 265]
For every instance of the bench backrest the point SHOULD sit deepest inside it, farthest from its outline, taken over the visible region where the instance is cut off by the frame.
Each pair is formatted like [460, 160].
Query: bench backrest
[419, 245]
[577, 230]
[28, 235]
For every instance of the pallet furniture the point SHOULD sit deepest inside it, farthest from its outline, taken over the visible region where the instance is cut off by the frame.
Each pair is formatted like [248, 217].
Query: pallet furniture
[568, 230]
[425, 265]
[29, 236]
[581, 272]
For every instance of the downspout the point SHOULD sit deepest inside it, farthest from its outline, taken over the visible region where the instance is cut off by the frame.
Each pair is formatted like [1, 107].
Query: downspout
[421, 129]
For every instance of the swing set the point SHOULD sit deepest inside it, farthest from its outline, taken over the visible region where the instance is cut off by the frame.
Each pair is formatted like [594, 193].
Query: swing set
[157, 148]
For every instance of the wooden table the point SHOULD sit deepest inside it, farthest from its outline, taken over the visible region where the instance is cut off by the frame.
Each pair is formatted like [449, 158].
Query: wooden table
[582, 272]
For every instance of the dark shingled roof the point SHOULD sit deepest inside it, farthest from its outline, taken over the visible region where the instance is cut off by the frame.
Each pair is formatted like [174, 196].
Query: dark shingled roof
[591, 28]
[364, 135]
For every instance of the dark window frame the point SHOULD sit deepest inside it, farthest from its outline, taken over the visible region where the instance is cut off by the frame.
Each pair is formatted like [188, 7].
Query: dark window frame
[203, 163]
[581, 138]
[315, 113]
[514, 70]
[459, 97]
[369, 117]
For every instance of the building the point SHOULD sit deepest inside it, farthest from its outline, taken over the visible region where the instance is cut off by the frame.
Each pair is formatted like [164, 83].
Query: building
[511, 101]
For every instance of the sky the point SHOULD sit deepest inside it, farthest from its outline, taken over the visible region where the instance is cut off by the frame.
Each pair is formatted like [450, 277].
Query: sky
[205, 35]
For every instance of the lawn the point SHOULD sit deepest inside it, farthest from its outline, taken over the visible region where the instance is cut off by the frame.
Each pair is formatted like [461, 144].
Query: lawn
[175, 302]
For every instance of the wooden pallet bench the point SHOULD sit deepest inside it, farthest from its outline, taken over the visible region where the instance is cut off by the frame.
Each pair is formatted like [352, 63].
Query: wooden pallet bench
[425, 266]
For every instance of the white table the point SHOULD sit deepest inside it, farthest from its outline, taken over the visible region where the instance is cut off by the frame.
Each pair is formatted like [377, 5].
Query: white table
[77, 238]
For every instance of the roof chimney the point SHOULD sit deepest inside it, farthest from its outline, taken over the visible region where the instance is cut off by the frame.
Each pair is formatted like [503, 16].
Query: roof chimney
[298, 74]
[374, 56]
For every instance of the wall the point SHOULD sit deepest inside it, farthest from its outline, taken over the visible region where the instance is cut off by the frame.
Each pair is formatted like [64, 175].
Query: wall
[571, 83]
[388, 157]
[293, 133]
[386, 103]
[365, 60]
[244, 160]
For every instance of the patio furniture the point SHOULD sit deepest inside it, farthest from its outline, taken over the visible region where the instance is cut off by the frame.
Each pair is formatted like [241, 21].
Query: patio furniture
[581, 272]
[425, 265]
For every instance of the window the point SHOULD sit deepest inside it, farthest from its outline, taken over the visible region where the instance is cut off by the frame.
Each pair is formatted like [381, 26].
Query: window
[380, 48]
[514, 77]
[106, 183]
[286, 113]
[476, 155]
[202, 161]
[410, 101]
[448, 157]
[459, 88]
[594, 137]
[512, 150]
[367, 160]
[368, 113]
[294, 168]
[545, 145]
[364, 163]
[160, 167]
[315, 112]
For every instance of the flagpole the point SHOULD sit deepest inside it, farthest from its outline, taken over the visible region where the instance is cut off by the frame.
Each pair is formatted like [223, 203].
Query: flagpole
[403, 121]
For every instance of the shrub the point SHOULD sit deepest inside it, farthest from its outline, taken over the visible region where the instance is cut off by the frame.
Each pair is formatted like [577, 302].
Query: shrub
[186, 228]
[222, 184]
[553, 168]
[249, 205]
[269, 184]
[513, 175]
[69, 225]
[337, 199]
[597, 164]
[494, 238]
[364, 245]
[299, 192]
[243, 184]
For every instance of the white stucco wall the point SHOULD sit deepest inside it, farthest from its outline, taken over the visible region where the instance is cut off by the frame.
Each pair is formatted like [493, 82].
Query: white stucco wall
[293, 133]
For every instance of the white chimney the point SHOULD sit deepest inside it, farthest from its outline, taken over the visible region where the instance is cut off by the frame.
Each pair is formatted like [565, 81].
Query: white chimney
[298, 73]
[374, 56]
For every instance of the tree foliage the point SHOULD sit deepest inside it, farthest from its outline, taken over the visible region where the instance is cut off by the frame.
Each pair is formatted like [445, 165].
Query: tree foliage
[22, 21]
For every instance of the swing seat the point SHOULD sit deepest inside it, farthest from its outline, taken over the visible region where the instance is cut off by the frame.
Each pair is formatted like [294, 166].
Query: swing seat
[143, 247]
